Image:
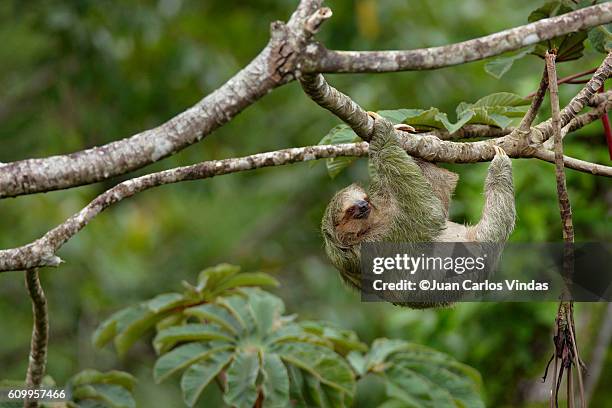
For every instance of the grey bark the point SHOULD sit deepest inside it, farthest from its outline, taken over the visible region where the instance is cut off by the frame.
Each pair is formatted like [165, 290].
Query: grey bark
[40, 335]
[273, 67]
[291, 50]
[327, 61]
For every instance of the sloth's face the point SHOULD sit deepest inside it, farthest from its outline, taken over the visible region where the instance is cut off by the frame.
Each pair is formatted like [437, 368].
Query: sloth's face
[354, 218]
[355, 205]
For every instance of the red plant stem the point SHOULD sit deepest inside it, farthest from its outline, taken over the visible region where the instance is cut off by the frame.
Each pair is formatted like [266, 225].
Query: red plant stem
[607, 130]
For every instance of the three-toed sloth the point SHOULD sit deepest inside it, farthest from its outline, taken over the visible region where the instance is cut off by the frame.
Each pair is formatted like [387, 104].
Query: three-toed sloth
[408, 201]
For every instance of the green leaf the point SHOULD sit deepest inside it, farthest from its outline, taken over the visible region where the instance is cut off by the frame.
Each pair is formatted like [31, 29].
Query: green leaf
[171, 320]
[216, 314]
[496, 109]
[357, 361]
[393, 403]
[420, 376]
[570, 46]
[325, 365]
[113, 396]
[296, 386]
[416, 391]
[126, 326]
[501, 99]
[399, 115]
[339, 134]
[237, 306]
[293, 333]
[460, 388]
[343, 341]
[183, 356]
[199, 375]
[165, 301]
[275, 382]
[267, 310]
[241, 377]
[210, 278]
[428, 119]
[117, 322]
[322, 395]
[134, 330]
[424, 119]
[167, 338]
[104, 333]
[336, 165]
[247, 279]
[601, 38]
[499, 66]
[549, 9]
[90, 376]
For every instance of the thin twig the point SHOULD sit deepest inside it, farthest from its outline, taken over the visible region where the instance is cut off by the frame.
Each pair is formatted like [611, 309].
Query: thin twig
[40, 334]
[568, 231]
[536, 102]
[570, 318]
[567, 80]
[574, 164]
[564, 204]
[578, 102]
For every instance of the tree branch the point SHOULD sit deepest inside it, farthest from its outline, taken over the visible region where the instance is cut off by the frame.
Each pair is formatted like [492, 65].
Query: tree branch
[291, 50]
[42, 251]
[578, 102]
[574, 164]
[565, 210]
[564, 203]
[40, 334]
[273, 67]
[536, 102]
[338, 103]
[324, 60]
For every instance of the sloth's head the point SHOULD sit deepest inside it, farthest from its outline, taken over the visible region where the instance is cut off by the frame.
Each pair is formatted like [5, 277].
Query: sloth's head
[349, 216]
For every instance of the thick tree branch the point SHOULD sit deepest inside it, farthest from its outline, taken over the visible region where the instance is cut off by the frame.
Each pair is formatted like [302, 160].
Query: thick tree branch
[42, 251]
[273, 67]
[324, 60]
[40, 334]
[291, 50]
[338, 103]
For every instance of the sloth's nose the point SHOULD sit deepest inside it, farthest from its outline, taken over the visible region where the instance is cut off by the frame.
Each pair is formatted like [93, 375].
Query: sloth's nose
[363, 209]
[362, 205]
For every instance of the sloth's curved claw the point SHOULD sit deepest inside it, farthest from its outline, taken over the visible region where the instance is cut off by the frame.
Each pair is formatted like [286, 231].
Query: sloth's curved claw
[404, 128]
[373, 115]
[499, 151]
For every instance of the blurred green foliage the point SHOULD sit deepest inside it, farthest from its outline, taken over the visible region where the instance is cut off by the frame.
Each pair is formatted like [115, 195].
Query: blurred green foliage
[75, 74]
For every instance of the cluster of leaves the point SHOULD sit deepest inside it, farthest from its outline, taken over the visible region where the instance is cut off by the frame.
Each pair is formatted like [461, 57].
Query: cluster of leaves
[568, 47]
[224, 334]
[88, 389]
[91, 388]
[498, 109]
